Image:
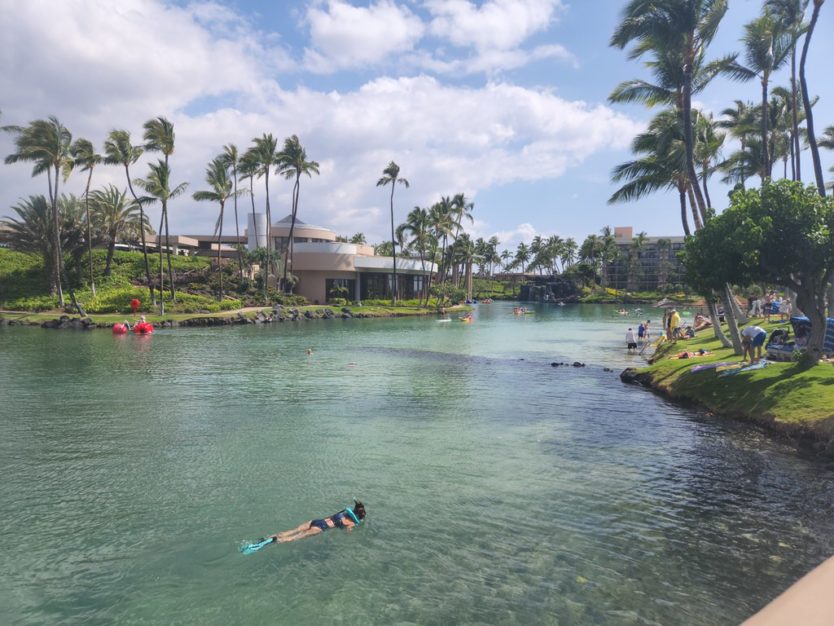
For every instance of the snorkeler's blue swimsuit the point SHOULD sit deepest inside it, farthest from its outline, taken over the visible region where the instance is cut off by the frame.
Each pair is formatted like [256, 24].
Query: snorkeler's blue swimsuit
[338, 520]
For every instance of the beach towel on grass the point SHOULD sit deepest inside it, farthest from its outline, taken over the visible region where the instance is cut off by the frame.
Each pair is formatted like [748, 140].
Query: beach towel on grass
[748, 368]
[710, 366]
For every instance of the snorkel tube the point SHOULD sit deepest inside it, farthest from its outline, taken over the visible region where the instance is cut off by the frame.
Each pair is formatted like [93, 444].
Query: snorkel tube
[352, 515]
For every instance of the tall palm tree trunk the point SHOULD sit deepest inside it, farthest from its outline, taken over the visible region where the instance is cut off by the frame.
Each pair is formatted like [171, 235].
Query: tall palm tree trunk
[55, 282]
[89, 231]
[766, 171]
[168, 248]
[743, 140]
[168, 255]
[689, 141]
[161, 262]
[288, 252]
[696, 218]
[237, 228]
[268, 234]
[806, 101]
[219, 259]
[393, 244]
[795, 152]
[60, 254]
[705, 175]
[142, 233]
[254, 221]
[682, 198]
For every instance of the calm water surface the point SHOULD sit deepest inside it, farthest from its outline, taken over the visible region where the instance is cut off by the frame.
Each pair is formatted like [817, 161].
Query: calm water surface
[499, 490]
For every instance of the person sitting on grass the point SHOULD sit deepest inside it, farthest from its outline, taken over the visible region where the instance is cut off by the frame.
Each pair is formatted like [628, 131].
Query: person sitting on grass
[347, 518]
[752, 340]
[691, 355]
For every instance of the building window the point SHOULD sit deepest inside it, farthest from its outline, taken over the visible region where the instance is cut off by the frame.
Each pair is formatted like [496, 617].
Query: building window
[340, 288]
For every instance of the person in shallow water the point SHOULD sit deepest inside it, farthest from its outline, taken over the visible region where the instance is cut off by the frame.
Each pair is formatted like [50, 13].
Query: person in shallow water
[346, 518]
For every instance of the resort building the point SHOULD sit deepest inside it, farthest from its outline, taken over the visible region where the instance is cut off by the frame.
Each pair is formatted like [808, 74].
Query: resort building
[325, 268]
[645, 263]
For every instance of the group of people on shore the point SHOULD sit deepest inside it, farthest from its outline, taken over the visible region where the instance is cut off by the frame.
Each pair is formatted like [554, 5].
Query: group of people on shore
[641, 338]
[770, 304]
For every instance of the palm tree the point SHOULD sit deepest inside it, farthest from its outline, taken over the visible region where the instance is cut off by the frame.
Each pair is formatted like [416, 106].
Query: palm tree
[707, 148]
[766, 49]
[608, 251]
[461, 208]
[661, 164]
[159, 137]
[358, 238]
[158, 185]
[85, 156]
[806, 100]
[522, 255]
[231, 159]
[664, 247]
[466, 254]
[791, 15]
[292, 163]
[677, 34]
[119, 151]
[569, 249]
[635, 268]
[248, 170]
[115, 217]
[265, 154]
[47, 143]
[391, 175]
[32, 232]
[443, 224]
[417, 224]
[217, 177]
[741, 123]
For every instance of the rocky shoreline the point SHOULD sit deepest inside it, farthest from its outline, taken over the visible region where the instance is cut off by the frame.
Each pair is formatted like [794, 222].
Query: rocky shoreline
[278, 314]
[815, 437]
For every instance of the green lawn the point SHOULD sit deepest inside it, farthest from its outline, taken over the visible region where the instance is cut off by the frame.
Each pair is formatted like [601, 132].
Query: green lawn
[788, 393]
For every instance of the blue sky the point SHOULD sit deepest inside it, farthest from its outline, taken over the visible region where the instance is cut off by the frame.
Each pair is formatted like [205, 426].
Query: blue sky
[505, 100]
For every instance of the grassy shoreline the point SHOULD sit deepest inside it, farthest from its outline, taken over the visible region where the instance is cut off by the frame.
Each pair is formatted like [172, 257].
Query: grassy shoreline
[790, 399]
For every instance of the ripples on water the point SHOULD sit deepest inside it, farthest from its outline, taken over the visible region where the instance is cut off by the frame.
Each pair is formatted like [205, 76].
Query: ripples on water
[499, 490]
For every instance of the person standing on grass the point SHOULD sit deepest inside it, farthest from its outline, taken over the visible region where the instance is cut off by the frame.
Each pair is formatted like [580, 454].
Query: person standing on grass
[785, 310]
[752, 340]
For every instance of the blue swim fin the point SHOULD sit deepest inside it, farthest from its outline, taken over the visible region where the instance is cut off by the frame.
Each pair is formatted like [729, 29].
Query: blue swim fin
[251, 548]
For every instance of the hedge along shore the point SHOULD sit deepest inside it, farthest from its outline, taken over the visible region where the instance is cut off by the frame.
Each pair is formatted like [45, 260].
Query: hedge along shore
[250, 315]
[790, 399]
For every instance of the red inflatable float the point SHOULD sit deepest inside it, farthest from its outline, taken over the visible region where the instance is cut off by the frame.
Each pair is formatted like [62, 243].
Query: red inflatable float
[119, 329]
[143, 328]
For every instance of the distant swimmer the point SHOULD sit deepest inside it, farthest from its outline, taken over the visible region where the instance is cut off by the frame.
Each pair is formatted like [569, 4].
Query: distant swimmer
[348, 518]
[309, 351]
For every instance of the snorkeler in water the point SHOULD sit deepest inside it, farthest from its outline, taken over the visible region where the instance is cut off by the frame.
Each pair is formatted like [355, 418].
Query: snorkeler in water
[347, 518]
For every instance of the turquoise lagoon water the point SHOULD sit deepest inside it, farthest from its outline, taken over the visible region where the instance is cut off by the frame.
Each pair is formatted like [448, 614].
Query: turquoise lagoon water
[500, 490]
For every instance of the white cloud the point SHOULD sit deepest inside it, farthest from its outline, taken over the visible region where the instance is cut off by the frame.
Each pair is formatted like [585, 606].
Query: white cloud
[346, 36]
[511, 238]
[495, 24]
[491, 61]
[446, 138]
